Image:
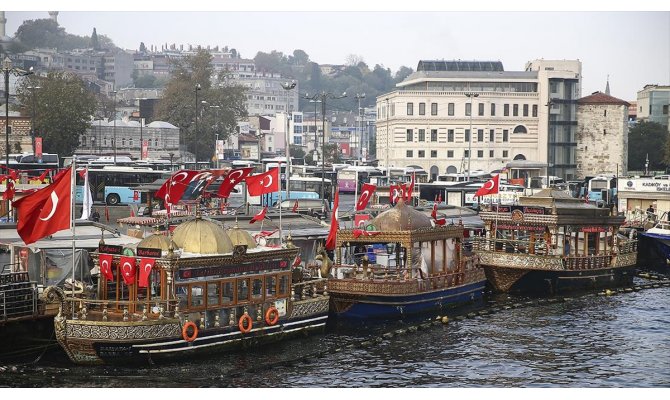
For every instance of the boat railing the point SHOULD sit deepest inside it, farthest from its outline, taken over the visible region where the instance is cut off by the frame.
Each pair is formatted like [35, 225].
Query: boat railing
[309, 288]
[587, 262]
[18, 297]
[436, 280]
[510, 246]
[627, 246]
[122, 310]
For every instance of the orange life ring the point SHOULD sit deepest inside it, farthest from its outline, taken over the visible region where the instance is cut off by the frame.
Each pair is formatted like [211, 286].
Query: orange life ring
[184, 331]
[250, 322]
[272, 315]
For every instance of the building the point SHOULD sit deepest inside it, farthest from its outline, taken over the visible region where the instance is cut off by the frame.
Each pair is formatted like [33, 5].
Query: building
[652, 104]
[602, 136]
[516, 115]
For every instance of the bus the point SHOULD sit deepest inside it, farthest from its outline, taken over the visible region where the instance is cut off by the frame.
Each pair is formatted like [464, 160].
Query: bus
[115, 184]
[349, 177]
[31, 166]
[602, 190]
[302, 187]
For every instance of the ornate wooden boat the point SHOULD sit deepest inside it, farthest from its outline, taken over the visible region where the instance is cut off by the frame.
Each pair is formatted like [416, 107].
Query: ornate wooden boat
[551, 242]
[401, 263]
[208, 291]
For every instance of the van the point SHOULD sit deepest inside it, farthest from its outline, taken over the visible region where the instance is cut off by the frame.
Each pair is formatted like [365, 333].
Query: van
[316, 208]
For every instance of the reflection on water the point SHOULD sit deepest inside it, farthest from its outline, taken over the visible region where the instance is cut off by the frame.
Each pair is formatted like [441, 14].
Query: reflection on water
[590, 341]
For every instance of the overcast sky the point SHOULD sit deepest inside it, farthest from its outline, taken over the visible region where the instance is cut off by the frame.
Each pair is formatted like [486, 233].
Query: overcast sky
[631, 46]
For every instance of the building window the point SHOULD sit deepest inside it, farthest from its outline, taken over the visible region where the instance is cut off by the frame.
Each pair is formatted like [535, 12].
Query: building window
[467, 136]
[481, 109]
[665, 110]
[123, 142]
[410, 153]
[505, 153]
[506, 110]
[433, 108]
[515, 110]
[450, 154]
[535, 110]
[297, 128]
[466, 153]
[410, 108]
[490, 153]
[297, 118]
[553, 87]
[433, 135]
[525, 110]
[520, 129]
[480, 153]
[604, 131]
[493, 109]
[468, 109]
[410, 135]
[422, 153]
[450, 109]
[480, 135]
[156, 142]
[83, 141]
[505, 135]
[422, 108]
[297, 139]
[422, 135]
[433, 154]
[450, 135]
[492, 135]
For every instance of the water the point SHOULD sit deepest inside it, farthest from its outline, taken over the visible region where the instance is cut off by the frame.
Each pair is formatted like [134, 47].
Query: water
[586, 341]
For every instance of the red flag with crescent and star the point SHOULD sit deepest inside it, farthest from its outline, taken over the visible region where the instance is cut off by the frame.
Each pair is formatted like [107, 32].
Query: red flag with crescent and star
[234, 177]
[434, 213]
[366, 193]
[362, 232]
[260, 215]
[334, 225]
[127, 267]
[146, 264]
[410, 190]
[396, 192]
[45, 211]
[295, 206]
[106, 266]
[174, 187]
[490, 187]
[264, 183]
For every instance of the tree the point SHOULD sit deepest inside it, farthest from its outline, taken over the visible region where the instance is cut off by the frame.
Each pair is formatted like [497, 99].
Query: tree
[94, 40]
[646, 138]
[225, 103]
[353, 60]
[63, 109]
[47, 33]
[332, 153]
[296, 151]
[143, 48]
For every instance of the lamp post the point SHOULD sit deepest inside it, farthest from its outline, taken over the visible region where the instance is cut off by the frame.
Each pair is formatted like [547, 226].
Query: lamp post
[388, 171]
[316, 140]
[141, 123]
[216, 130]
[288, 86]
[114, 128]
[359, 138]
[195, 139]
[6, 69]
[33, 117]
[322, 97]
[470, 96]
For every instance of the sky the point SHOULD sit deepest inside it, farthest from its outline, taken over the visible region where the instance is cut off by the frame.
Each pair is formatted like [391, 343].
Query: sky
[631, 46]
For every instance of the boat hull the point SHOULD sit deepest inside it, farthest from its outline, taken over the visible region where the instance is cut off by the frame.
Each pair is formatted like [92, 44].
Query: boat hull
[142, 342]
[377, 305]
[654, 252]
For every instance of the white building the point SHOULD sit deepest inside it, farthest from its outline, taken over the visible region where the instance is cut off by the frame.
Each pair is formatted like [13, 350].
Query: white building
[429, 120]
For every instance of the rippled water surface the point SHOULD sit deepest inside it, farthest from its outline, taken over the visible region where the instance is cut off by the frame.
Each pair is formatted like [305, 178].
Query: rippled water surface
[586, 341]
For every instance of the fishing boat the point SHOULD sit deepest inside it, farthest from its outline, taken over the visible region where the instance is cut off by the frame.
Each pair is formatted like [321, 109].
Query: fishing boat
[654, 245]
[401, 263]
[203, 291]
[551, 242]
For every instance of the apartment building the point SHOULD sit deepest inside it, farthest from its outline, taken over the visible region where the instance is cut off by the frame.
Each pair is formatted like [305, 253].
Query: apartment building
[451, 116]
[653, 102]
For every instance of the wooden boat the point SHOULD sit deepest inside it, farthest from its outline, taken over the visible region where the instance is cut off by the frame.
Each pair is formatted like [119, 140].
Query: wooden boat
[401, 263]
[551, 242]
[208, 291]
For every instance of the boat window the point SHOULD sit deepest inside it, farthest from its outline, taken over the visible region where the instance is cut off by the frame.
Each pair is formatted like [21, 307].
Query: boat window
[197, 299]
[181, 291]
[213, 290]
[228, 292]
[242, 290]
[257, 288]
[271, 286]
[283, 285]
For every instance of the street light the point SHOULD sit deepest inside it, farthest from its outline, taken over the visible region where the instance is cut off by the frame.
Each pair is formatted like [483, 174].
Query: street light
[323, 96]
[114, 129]
[470, 96]
[288, 86]
[359, 138]
[388, 171]
[216, 131]
[33, 117]
[139, 99]
[7, 68]
[316, 140]
[195, 139]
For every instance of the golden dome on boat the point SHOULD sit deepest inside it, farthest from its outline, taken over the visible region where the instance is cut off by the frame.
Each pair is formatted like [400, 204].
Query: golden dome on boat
[241, 237]
[202, 236]
[401, 218]
[155, 241]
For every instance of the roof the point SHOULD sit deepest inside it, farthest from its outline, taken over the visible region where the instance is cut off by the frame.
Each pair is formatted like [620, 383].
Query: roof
[602, 98]
[458, 65]
[87, 233]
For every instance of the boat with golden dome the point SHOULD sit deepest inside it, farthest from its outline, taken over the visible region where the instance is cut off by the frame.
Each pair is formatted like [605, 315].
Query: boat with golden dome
[401, 263]
[208, 290]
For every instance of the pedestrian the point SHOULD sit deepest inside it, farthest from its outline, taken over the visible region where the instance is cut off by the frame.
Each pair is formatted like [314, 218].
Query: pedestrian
[95, 216]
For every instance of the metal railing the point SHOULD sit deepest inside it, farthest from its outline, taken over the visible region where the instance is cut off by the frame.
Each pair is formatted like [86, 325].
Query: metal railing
[18, 300]
[122, 310]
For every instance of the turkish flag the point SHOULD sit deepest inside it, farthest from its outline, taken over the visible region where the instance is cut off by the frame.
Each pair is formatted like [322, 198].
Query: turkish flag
[10, 190]
[127, 267]
[334, 226]
[366, 193]
[295, 206]
[60, 173]
[410, 190]
[260, 184]
[361, 232]
[183, 183]
[106, 266]
[259, 216]
[297, 261]
[434, 213]
[490, 187]
[396, 192]
[440, 221]
[146, 264]
[82, 173]
[44, 174]
[46, 211]
[234, 177]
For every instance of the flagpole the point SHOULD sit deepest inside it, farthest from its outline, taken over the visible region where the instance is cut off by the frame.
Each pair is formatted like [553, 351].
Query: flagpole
[280, 207]
[355, 192]
[73, 193]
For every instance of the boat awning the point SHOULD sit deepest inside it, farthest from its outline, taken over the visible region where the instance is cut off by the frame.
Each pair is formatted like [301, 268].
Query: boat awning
[87, 237]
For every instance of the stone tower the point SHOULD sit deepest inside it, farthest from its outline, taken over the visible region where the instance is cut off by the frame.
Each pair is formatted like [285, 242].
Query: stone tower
[54, 16]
